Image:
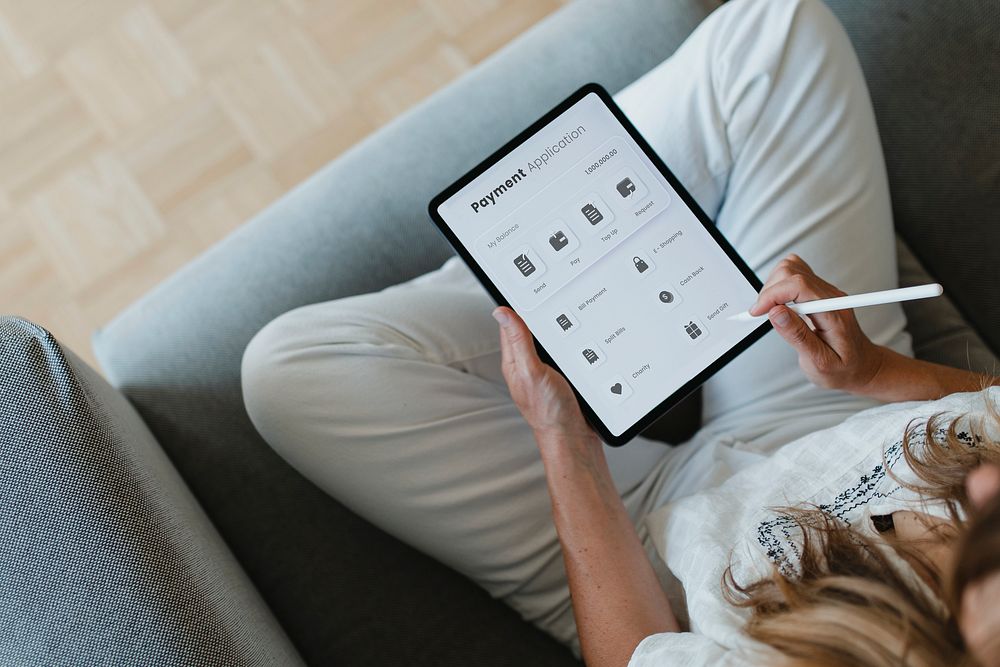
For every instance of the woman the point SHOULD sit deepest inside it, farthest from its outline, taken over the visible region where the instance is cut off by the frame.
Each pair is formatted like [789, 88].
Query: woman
[859, 571]
[396, 402]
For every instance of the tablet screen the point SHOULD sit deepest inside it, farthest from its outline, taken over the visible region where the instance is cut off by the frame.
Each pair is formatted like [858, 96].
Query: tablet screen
[624, 283]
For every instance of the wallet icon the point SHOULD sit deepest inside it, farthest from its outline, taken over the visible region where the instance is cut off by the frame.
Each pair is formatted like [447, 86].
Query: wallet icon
[558, 240]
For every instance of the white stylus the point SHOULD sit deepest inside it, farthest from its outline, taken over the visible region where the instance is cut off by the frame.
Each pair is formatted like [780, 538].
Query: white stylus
[854, 301]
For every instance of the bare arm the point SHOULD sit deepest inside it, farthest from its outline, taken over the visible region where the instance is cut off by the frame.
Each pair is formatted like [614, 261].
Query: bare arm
[838, 355]
[900, 378]
[617, 598]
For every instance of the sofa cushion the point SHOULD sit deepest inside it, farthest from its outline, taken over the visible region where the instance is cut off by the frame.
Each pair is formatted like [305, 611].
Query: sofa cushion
[940, 333]
[105, 557]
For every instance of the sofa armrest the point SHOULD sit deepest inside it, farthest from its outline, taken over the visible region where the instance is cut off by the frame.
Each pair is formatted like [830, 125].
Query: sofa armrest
[105, 557]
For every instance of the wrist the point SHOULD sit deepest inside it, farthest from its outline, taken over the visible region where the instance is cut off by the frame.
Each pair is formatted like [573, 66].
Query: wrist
[875, 373]
[554, 444]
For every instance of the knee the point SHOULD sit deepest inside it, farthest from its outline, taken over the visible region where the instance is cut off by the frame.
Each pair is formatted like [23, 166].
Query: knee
[771, 24]
[265, 373]
[297, 360]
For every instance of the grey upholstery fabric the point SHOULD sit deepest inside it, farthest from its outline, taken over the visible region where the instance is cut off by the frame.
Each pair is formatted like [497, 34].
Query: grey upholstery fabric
[105, 557]
[940, 333]
[932, 68]
[340, 587]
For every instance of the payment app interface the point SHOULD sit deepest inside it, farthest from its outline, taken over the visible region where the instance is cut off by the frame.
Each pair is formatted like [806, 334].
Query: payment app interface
[614, 275]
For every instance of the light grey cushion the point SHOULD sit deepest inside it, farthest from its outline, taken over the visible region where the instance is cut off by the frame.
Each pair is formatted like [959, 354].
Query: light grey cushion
[940, 333]
[105, 557]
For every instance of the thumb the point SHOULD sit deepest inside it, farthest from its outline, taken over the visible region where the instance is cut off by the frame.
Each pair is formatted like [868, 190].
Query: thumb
[517, 346]
[796, 332]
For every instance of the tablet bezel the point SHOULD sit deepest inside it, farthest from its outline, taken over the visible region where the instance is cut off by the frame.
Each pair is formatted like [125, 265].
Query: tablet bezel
[688, 387]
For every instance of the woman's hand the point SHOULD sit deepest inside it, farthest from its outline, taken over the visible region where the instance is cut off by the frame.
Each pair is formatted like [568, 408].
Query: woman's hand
[541, 394]
[835, 353]
[617, 598]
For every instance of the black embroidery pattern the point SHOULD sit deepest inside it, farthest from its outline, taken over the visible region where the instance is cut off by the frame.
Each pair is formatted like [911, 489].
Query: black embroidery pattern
[780, 536]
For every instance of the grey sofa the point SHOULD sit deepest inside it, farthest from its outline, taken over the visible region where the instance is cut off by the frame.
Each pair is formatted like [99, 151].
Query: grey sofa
[326, 582]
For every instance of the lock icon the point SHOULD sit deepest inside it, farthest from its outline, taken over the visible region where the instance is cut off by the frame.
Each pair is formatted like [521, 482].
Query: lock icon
[640, 264]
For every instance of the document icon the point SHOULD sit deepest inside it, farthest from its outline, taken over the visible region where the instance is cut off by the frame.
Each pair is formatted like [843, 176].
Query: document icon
[524, 265]
[564, 322]
[595, 210]
[592, 354]
[592, 213]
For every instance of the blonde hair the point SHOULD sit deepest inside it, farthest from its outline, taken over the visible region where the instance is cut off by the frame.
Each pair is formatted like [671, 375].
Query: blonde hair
[850, 604]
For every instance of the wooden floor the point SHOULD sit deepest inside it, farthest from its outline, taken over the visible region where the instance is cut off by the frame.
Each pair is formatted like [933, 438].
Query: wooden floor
[135, 134]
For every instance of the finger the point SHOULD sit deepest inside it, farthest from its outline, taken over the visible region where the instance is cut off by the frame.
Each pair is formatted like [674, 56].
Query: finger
[796, 333]
[799, 287]
[799, 263]
[788, 267]
[517, 347]
[781, 271]
[779, 293]
[983, 484]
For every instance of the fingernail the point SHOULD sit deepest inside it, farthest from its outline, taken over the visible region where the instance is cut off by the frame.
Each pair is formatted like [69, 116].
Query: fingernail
[781, 318]
[501, 316]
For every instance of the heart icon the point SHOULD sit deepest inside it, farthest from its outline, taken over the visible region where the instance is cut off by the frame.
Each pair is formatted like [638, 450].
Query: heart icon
[616, 388]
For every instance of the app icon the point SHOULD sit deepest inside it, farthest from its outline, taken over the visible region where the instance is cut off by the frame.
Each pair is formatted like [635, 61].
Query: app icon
[558, 240]
[595, 210]
[640, 264]
[555, 240]
[616, 389]
[692, 330]
[524, 265]
[592, 354]
[566, 322]
[625, 187]
[592, 213]
[629, 186]
[667, 296]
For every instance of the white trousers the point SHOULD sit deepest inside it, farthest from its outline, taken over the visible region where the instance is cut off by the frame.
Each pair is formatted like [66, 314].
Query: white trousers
[394, 403]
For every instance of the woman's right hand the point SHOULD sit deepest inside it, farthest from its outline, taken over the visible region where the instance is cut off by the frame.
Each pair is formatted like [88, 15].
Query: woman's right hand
[835, 353]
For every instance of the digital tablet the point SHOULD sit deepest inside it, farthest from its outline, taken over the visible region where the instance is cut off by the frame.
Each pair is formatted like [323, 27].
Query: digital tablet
[624, 281]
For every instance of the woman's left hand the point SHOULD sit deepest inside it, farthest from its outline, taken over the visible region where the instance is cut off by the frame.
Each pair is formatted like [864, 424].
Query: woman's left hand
[541, 394]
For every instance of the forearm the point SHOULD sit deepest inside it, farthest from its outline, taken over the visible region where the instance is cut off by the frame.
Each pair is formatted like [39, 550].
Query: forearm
[901, 378]
[617, 598]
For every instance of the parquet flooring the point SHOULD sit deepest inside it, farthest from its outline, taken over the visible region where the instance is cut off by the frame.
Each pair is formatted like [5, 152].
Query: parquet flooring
[133, 135]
